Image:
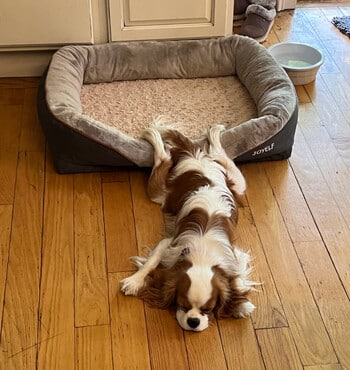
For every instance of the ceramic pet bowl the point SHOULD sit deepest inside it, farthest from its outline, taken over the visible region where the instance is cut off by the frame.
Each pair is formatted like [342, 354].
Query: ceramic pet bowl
[300, 61]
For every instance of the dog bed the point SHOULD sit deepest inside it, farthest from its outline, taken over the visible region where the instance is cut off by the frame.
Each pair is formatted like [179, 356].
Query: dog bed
[81, 143]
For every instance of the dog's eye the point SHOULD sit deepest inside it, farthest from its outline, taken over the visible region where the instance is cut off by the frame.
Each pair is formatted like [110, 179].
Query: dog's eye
[185, 309]
[206, 311]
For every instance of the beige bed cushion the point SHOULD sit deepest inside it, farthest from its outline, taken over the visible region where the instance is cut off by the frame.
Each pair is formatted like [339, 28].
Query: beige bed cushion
[266, 82]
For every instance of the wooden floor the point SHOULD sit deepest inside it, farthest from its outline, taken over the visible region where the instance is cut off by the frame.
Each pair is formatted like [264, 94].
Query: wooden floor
[65, 242]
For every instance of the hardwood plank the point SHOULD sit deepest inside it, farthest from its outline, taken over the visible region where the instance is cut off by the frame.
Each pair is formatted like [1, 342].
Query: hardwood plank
[56, 331]
[91, 298]
[269, 311]
[240, 345]
[119, 176]
[165, 340]
[213, 357]
[18, 82]
[5, 230]
[9, 140]
[10, 127]
[324, 367]
[9, 96]
[8, 166]
[334, 170]
[94, 350]
[296, 214]
[20, 317]
[148, 216]
[32, 136]
[326, 106]
[301, 311]
[271, 40]
[329, 294]
[278, 349]
[330, 221]
[284, 25]
[320, 24]
[339, 88]
[128, 328]
[119, 225]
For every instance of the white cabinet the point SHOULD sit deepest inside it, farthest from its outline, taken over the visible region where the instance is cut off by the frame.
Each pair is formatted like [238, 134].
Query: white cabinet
[169, 19]
[31, 29]
[32, 23]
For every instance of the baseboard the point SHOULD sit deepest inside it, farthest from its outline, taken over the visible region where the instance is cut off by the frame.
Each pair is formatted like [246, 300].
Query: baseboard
[24, 63]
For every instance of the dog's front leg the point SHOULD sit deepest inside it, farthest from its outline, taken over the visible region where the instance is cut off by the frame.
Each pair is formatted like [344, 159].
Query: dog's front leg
[132, 284]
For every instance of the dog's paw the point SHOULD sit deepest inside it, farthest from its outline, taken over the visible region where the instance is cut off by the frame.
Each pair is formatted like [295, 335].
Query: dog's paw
[239, 184]
[132, 284]
[244, 310]
[214, 134]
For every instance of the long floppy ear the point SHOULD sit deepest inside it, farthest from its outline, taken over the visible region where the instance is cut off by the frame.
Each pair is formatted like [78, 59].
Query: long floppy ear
[159, 291]
[231, 295]
[161, 285]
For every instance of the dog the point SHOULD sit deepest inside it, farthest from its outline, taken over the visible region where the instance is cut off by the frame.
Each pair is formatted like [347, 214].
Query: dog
[196, 266]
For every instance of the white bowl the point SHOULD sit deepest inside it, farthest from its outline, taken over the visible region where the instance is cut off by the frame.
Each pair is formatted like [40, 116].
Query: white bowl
[300, 61]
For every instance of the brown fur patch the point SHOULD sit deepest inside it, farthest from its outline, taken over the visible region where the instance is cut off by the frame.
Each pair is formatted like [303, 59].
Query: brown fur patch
[180, 188]
[161, 286]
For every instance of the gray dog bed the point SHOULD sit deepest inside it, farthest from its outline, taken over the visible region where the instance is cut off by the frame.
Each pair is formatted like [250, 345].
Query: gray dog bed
[81, 143]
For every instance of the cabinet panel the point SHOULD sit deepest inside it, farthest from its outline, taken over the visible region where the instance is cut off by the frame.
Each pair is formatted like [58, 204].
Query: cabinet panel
[169, 19]
[164, 12]
[43, 22]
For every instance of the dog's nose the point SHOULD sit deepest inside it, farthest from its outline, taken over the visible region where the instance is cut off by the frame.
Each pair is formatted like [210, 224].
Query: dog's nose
[193, 322]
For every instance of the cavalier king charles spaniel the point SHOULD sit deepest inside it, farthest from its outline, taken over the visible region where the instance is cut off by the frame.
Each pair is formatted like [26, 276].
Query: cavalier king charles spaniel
[196, 266]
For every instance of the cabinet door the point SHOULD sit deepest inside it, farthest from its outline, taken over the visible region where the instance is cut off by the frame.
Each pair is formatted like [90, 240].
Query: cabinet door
[169, 19]
[29, 23]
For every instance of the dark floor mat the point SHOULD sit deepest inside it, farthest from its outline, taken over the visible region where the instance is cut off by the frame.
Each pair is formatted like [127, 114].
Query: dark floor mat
[343, 24]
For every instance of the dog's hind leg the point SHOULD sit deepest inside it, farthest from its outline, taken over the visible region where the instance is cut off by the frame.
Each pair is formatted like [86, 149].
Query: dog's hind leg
[162, 164]
[235, 179]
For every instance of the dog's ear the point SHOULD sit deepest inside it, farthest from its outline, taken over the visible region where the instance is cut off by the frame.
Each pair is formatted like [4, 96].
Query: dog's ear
[230, 296]
[161, 285]
[159, 290]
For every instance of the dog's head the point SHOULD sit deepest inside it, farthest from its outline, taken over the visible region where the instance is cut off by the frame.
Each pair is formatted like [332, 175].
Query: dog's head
[198, 292]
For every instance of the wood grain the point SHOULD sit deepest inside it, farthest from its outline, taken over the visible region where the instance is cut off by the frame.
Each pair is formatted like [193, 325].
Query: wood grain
[307, 328]
[32, 136]
[119, 225]
[91, 298]
[20, 316]
[166, 341]
[128, 328]
[5, 230]
[330, 221]
[278, 349]
[148, 216]
[213, 357]
[269, 312]
[10, 125]
[56, 330]
[240, 345]
[296, 214]
[94, 348]
[329, 294]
